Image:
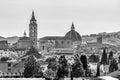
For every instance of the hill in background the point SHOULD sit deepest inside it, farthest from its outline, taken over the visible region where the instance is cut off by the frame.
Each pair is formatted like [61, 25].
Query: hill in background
[108, 38]
[10, 40]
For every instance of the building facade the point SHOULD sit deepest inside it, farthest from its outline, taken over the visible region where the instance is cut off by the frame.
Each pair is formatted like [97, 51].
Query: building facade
[3, 44]
[24, 42]
[70, 39]
[11, 68]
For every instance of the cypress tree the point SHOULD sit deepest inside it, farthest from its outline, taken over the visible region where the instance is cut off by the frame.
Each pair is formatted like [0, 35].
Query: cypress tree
[83, 59]
[29, 67]
[113, 65]
[63, 68]
[77, 69]
[98, 70]
[119, 59]
[110, 57]
[104, 57]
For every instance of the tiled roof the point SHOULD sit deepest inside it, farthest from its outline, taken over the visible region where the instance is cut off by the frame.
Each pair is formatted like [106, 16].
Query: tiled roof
[63, 53]
[73, 35]
[20, 49]
[24, 38]
[4, 41]
[97, 45]
[54, 38]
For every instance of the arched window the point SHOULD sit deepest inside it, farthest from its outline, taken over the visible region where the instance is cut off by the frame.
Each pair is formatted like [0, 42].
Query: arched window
[56, 42]
[9, 64]
[62, 42]
[68, 42]
[43, 47]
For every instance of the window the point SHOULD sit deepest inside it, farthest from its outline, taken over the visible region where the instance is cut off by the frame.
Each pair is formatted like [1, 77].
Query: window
[34, 39]
[9, 64]
[42, 47]
[9, 70]
[62, 42]
[68, 42]
[56, 42]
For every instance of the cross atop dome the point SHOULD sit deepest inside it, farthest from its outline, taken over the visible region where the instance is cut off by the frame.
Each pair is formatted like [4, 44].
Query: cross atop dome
[72, 27]
[33, 16]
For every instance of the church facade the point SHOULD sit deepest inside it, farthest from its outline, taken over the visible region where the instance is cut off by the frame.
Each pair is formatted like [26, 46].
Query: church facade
[26, 42]
[70, 39]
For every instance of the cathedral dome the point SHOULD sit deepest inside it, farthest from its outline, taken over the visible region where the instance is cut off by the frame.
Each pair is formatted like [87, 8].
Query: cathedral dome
[73, 35]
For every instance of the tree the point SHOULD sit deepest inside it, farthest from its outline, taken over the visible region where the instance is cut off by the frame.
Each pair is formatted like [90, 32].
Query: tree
[29, 67]
[84, 62]
[49, 74]
[104, 57]
[97, 58]
[32, 69]
[93, 58]
[113, 65]
[98, 70]
[110, 57]
[62, 61]
[77, 69]
[33, 51]
[63, 68]
[38, 70]
[89, 72]
[119, 59]
[61, 72]
[52, 63]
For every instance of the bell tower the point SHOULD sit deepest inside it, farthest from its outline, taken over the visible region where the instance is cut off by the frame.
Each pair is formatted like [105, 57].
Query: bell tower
[33, 30]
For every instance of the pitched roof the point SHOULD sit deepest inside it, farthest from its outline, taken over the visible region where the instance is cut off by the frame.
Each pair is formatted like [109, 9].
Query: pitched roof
[19, 64]
[4, 41]
[24, 38]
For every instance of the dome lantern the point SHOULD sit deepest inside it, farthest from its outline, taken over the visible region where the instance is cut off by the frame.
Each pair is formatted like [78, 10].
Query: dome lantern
[72, 27]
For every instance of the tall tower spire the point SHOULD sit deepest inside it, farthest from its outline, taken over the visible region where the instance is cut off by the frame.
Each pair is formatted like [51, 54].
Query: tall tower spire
[33, 30]
[72, 27]
[33, 16]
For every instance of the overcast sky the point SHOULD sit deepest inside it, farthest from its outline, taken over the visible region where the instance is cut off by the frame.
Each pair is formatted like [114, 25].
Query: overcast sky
[54, 17]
